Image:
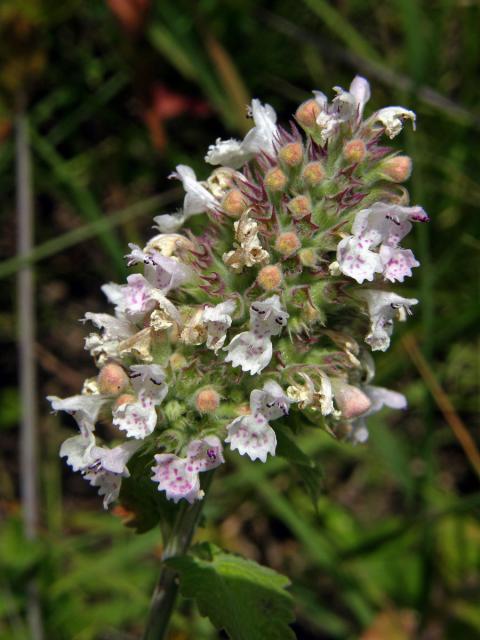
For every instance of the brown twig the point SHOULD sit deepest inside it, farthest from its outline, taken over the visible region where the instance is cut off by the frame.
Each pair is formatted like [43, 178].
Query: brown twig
[443, 402]
[69, 377]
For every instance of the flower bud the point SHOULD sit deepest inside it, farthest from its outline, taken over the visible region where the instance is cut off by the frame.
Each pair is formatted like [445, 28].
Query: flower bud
[313, 173]
[308, 257]
[125, 398]
[291, 154]
[307, 113]
[350, 400]
[275, 180]
[112, 379]
[177, 361]
[234, 203]
[397, 169]
[299, 206]
[270, 277]
[207, 400]
[355, 151]
[287, 243]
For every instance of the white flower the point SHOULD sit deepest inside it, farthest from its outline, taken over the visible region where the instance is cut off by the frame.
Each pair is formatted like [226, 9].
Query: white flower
[268, 318]
[251, 435]
[356, 260]
[134, 299]
[108, 469]
[140, 297]
[271, 401]
[307, 395]
[397, 263]
[393, 119]
[162, 272]
[170, 222]
[388, 223]
[360, 90]
[383, 307]
[252, 350]
[379, 397]
[79, 451]
[346, 107]
[108, 485]
[349, 105]
[84, 408]
[115, 459]
[114, 330]
[250, 353]
[138, 419]
[101, 466]
[385, 225]
[217, 320]
[149, 378]
[197, 197]
[262, 137]
[178, 477]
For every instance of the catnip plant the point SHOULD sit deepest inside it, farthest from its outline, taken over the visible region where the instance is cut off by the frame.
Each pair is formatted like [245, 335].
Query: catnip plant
[250, 316]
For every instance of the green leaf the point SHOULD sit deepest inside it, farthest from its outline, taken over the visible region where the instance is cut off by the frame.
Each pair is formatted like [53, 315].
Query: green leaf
[240, 596]
[307, 469]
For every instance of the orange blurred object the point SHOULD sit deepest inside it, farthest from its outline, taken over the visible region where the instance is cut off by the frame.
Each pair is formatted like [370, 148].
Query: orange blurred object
[166, 104]
[130, 13]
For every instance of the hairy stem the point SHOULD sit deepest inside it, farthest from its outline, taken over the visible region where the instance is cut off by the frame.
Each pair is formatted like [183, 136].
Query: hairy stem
[165, 593]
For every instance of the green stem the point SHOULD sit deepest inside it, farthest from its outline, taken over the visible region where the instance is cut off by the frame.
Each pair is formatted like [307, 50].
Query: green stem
[165, 592]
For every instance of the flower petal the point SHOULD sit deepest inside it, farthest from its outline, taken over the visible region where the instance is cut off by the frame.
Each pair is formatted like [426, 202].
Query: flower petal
[84, 408]
[252, 436]
[249, 352]
[173, 477]
[397, 263]
[271, 401]
[109, 485]
[356, 260]
[393, 119]
[197, 198]
[79, 451]
[204, 454]
[383, 307]
[137, 419]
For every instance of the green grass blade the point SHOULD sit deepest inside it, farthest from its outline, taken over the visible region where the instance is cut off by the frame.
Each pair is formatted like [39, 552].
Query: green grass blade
[90, 230]
[83, 199]
[342, 28]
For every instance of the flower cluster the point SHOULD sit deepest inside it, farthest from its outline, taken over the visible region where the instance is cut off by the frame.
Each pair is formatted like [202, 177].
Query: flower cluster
[250, 303]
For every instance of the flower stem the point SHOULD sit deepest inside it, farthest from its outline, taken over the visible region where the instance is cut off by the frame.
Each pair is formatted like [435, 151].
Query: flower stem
[165, 592]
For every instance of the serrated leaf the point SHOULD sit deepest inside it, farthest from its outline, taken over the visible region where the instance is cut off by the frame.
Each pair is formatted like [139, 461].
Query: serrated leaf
[240, 596]
[307, 469]
[139, 496]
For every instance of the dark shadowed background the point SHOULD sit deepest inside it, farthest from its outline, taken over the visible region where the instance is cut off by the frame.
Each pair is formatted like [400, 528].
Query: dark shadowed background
[108, 97]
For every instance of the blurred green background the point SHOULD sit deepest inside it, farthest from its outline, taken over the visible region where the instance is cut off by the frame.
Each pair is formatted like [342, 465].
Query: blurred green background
[117, 93]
